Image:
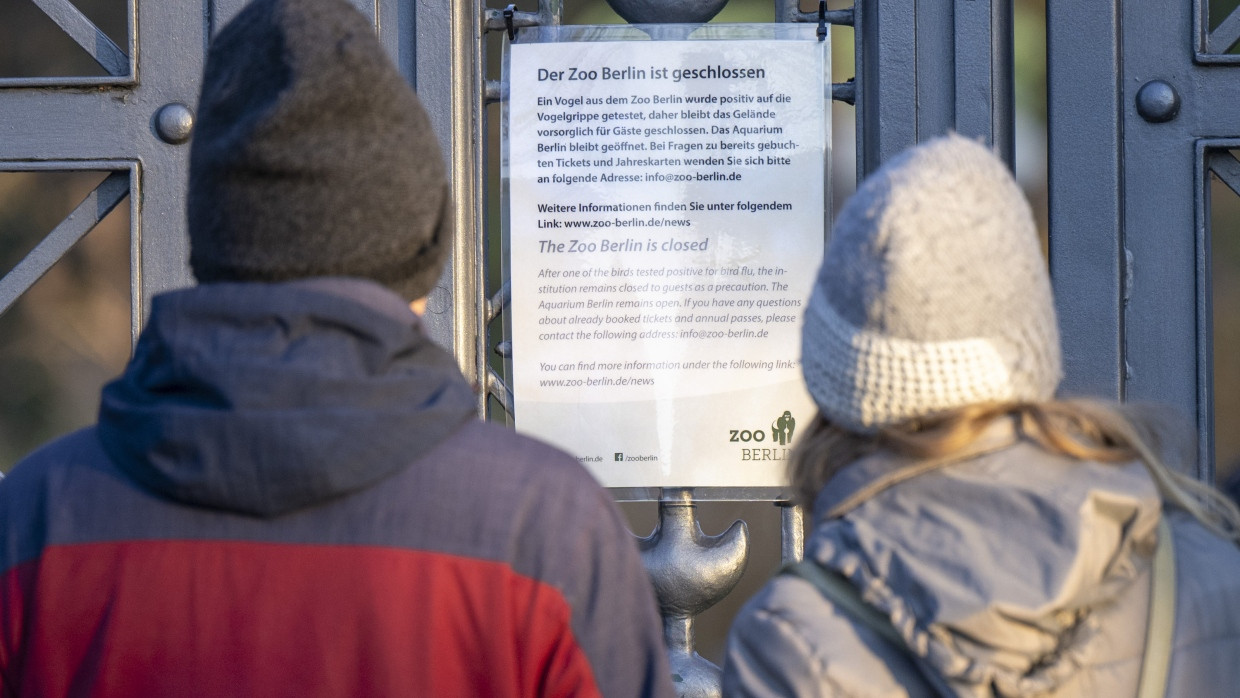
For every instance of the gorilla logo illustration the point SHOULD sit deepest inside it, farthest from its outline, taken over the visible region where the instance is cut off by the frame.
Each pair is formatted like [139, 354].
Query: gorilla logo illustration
[782, 429]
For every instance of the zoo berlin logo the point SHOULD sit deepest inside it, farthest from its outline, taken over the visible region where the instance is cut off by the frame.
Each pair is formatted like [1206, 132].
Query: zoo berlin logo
[783, 428]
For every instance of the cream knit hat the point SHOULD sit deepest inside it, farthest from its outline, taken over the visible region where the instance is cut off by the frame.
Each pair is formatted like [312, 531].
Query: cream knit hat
[933, 293]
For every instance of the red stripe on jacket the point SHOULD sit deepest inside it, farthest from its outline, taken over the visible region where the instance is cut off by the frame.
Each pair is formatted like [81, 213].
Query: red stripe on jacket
[241, 618]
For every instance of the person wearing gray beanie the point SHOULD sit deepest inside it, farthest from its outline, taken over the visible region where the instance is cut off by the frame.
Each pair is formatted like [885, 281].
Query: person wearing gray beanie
[288, 490]
[973, 535]
[313, 157]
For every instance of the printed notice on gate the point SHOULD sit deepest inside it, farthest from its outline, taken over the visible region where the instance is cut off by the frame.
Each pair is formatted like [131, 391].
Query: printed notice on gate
[666, 217]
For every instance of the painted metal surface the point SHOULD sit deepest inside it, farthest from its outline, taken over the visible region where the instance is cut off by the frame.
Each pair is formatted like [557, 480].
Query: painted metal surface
[77, 123]
[928, 67]
[1083, 99]
[1141, 96]
[138, 119]
[691, 572]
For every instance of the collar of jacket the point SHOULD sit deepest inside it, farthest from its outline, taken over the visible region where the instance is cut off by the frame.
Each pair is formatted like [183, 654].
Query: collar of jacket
[864, 479]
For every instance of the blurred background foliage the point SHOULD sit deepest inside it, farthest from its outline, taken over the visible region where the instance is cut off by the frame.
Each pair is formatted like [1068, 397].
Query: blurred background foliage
[71, 332]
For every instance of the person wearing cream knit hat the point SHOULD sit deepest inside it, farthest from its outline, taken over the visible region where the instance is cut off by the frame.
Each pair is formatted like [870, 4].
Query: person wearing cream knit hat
[972, 535]
[933, 294]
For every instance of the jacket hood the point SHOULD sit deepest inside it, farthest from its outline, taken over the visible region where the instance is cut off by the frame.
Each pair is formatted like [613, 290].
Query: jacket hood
[994, 568]
[265, 398]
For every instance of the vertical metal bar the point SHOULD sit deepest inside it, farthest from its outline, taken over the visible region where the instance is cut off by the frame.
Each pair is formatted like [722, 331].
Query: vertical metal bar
[984, 91]
[1160, 331]
[1003, 79]
[1201, 28]
[863, 110]
[171, 73]
[938, 50]
[1205, 314]
[973, 101]
[137, 298]
[395, 23]
[433, 78]
[886, 39]
[1085, 186]
[1160, 328]
[786, 10]
[792, 527]
[468, 305]
[929, 66]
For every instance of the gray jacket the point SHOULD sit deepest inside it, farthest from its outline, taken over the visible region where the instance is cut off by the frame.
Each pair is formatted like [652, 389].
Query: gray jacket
[1014, 573]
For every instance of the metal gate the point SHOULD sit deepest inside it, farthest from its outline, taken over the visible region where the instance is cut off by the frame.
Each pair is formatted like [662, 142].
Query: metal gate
[1141, 114]
[1133, 137]
[134, 122]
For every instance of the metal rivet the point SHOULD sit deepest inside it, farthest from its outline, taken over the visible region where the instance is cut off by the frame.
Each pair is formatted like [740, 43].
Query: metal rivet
[1157, 101]
[662, 11]
[174, 122]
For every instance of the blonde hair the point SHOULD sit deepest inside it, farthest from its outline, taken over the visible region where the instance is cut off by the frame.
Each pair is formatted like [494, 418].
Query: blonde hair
[1080, 429]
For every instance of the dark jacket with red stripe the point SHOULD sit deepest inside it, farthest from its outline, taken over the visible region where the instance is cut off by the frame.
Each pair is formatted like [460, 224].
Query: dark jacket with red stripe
[287, 494]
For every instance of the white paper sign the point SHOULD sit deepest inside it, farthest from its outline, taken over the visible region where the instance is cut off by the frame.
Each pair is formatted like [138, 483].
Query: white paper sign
[666, 220]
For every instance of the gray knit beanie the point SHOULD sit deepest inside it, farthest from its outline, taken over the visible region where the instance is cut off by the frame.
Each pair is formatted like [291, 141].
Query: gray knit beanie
[312, 156]
[933, 294]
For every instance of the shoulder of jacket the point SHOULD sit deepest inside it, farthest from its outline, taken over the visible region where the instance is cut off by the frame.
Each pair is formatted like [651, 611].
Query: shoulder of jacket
[481, 437]
[489, 441]
[79, 448]
[514, 465]
[789, 621]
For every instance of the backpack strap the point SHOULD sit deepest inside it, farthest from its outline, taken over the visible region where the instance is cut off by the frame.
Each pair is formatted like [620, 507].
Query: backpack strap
[1161, 625]
[847, 598]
